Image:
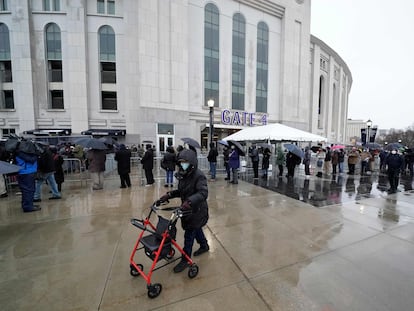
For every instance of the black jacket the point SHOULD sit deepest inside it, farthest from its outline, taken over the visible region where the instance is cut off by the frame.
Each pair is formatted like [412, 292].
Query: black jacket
[192, 186]
[123, 157]
[169, 161]
[147, 160]
[45, 163]
[212, 155]
[394, 162]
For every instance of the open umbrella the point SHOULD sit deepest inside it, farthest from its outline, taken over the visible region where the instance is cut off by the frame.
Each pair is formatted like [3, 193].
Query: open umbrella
[265, 145]
[337, 147]
[191, 142]
[7, 168]
[223, 142]
[315, 148]
[373, 146]
[91, 143]
[294, 149]
[238, 146]
[393, 146]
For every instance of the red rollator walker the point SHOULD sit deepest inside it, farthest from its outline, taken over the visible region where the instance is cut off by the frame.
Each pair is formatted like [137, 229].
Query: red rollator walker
[158, 244]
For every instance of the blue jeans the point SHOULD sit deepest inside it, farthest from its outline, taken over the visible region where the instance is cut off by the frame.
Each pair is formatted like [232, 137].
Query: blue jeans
[190, 236]
[27, 187]
[170, 177]
[50, 178]
[341, 167]
[213, 166]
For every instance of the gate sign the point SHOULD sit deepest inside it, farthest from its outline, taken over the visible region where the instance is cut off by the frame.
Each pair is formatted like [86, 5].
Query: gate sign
[243, 118]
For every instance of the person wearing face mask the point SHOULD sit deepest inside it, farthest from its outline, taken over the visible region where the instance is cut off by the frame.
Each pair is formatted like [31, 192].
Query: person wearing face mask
[394, 163]
[193, 191]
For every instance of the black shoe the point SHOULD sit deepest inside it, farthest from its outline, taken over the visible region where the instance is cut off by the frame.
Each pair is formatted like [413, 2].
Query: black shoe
[54, 198]
[37, 200]
[181, 266]
[226, 178]
[34, 209]
[122, 187]
[201, 250]
[4, 195]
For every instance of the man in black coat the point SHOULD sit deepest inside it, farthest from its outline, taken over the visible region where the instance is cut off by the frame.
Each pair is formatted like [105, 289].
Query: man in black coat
[193, 191]
[394, 163]
[123, 157]
[147, 162]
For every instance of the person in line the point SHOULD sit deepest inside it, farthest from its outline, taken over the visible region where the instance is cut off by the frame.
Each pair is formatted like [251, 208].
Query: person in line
[212, 159]
[147, 162]
[168, 164]
[59, 174]
[26, 180]
[193, 192]
[291, 161]
[341, 160]
[306, 161]
[319, 162]
[353, 158]
[365, 158]
[327, 161]
[96, 166]
[335, 161]
[123, 158]
[226, 157]
[280, 160]
[254, 156]
[46, 173]
[234, 163]
[3, 187]
[265, 162]
[394, 163]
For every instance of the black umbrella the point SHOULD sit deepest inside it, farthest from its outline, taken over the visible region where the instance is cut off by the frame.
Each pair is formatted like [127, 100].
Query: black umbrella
[393, 146]
[294, 149]
[108, 140]
[265, 145]
[373, 146]
[191, 142]
[7, 168]
[91, 143]
[315, 148]
[238, 146]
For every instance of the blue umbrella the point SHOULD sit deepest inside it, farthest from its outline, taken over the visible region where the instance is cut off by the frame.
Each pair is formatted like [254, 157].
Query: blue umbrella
[7, 168]
[191, 142]
[294, 149]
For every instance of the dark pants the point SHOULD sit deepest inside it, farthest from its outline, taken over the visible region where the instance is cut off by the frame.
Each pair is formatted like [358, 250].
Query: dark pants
[227, 166]
[125, 180]
[190, 236]
[307, 169]
[149, 176]
[280, 169]
[27, 187]
[256, 169]
[334, 168]
[393, 178]
[351, 168]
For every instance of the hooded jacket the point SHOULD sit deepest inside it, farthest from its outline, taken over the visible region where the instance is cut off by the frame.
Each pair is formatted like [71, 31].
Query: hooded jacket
[192, 187]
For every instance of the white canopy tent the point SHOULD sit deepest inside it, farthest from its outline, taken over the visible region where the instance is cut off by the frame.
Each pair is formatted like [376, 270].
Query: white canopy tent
[275, 132]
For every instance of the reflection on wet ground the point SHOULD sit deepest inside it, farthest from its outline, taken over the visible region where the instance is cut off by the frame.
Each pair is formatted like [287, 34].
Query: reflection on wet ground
[331, 189]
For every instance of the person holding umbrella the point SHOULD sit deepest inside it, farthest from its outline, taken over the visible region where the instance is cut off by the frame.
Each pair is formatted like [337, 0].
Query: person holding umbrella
[96, 166]
[234, 163]
[265, 162]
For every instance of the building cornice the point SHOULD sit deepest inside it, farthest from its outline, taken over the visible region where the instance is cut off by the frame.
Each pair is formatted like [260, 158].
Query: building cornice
[265, 6]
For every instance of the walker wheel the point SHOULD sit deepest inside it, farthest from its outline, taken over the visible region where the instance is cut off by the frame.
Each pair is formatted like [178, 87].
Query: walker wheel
[171, 253]
[154, 290]
[193, 271]
[133, 271]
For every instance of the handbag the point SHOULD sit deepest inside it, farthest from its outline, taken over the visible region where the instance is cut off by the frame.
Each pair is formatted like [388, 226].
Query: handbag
[319, 163]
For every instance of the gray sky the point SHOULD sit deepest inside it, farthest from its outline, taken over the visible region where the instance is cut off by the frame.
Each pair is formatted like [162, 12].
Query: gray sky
[376, 40]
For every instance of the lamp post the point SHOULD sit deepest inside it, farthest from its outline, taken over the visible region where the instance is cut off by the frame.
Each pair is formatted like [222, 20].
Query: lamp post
[369, 124]
[210, 104]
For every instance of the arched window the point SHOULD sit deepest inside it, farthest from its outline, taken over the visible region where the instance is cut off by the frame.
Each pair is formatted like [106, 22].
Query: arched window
[6, 94]
[54, 62]
[53, 42]
[262, 67]
[107, 58]
[211, 54]
[321, 101]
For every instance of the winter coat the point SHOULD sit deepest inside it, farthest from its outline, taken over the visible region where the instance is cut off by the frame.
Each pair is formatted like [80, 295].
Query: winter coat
[169, 160]
[353, 157]
[265, 160]
[394, 162]
[123, 157]
[254, 155]
[212, 155]
[280, 157]
[96, 160]
[335, 158]
[58, 162]
[147, 160]
[45, 163]
[28, 162]
[192, 187]
[234, 159]
[307, 157]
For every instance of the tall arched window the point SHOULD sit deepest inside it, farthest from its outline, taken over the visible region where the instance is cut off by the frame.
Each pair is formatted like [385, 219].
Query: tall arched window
[321, 101]
[6, 95]
[107, 58]
[238, 63]
[211, 54]
[262, 67]
[54, 62]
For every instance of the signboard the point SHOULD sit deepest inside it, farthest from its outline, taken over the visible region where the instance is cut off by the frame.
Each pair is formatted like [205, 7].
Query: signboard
[243, 118]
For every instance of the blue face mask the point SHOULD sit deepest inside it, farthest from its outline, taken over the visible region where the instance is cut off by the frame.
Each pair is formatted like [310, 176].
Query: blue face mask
[185, 165]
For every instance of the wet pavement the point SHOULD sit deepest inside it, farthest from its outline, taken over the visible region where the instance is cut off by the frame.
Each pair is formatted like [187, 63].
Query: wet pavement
[331, 243]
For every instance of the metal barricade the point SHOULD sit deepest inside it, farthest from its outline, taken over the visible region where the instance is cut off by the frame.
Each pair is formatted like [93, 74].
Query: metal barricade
[75, 170]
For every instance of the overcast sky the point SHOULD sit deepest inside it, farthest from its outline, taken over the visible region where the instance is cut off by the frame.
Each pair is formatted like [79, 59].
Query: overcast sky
[375, 38]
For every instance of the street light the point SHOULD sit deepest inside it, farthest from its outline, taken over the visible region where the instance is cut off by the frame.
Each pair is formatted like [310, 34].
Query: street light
[369, 124]
[210, 104]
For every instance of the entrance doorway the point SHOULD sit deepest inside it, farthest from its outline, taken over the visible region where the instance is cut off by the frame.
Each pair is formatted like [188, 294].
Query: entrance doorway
[163, 141]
